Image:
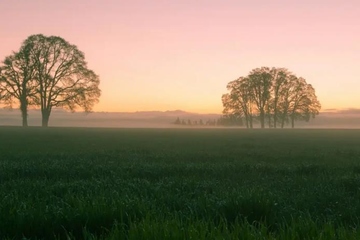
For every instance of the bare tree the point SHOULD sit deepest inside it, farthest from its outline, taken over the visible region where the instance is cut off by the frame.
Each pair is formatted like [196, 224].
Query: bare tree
[260, 80]
[280, 77]
[238, 102]
[286, 98]
[304, 104]
[62, 76]
[275, 94]
[17, 80]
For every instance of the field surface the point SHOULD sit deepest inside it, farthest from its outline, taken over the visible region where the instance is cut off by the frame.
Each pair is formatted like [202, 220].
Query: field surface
[73, 183]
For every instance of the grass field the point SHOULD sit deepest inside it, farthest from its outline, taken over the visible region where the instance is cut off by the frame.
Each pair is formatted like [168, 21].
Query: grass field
[179, 184]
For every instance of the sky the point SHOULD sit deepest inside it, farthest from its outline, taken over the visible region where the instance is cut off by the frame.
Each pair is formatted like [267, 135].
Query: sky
[180, 54]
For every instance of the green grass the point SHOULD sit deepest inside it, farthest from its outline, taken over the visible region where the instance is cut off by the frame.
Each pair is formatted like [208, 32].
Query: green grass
[71, 183]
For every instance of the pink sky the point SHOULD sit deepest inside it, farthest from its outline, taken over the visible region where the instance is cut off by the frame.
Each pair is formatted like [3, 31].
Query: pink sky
[180, 54]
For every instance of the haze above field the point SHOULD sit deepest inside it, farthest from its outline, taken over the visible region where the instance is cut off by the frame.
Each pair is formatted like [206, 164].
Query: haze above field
[330, 118]
[161, 55]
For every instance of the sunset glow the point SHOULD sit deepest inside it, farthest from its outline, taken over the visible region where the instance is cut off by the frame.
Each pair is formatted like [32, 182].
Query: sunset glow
[180, 54]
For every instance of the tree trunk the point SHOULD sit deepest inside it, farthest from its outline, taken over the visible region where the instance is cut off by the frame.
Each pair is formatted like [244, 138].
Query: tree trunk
[45, 118]
[283, 117]
[262, 118]
[24, 119]
[275, 117]
[247, 120]
[292, 121]
[24, 114]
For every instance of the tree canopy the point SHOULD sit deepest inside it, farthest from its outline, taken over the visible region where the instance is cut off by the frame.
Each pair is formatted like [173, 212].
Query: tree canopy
[49, 72]
[272, 96]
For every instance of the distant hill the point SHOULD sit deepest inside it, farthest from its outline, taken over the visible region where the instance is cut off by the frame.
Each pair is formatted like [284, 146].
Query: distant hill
[330, 118]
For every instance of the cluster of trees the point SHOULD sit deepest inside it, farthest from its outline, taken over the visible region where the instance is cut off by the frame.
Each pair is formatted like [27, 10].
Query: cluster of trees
[222, 121]
[230, 121]
[189, 122]
[272, 96]
[47, 72]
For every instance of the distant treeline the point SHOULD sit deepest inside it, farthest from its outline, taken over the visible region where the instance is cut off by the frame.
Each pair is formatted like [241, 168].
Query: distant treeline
[222, 121]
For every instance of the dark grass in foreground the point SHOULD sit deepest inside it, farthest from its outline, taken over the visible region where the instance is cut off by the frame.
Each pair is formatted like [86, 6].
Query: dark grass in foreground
[179, 184]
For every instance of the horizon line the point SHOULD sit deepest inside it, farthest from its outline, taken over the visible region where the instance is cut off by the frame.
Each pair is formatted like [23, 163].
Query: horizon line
[328, 110]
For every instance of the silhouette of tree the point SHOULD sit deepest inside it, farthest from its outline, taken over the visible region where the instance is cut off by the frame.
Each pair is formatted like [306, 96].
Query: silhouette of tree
[201, 122]
[49, 72]
[62, 76]
[183, 122]
[238, 102]
[304, 103]
[286, 98]
[189, 122]
[260, 80]
[17, 81]
[299, 102]
[280, 80]
[275, 95]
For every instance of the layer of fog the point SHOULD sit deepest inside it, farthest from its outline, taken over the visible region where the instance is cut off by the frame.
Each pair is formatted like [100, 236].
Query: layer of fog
[154, 119]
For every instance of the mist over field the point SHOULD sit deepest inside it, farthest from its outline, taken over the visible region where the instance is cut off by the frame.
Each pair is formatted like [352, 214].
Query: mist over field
[180, 119]
[330, 118]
